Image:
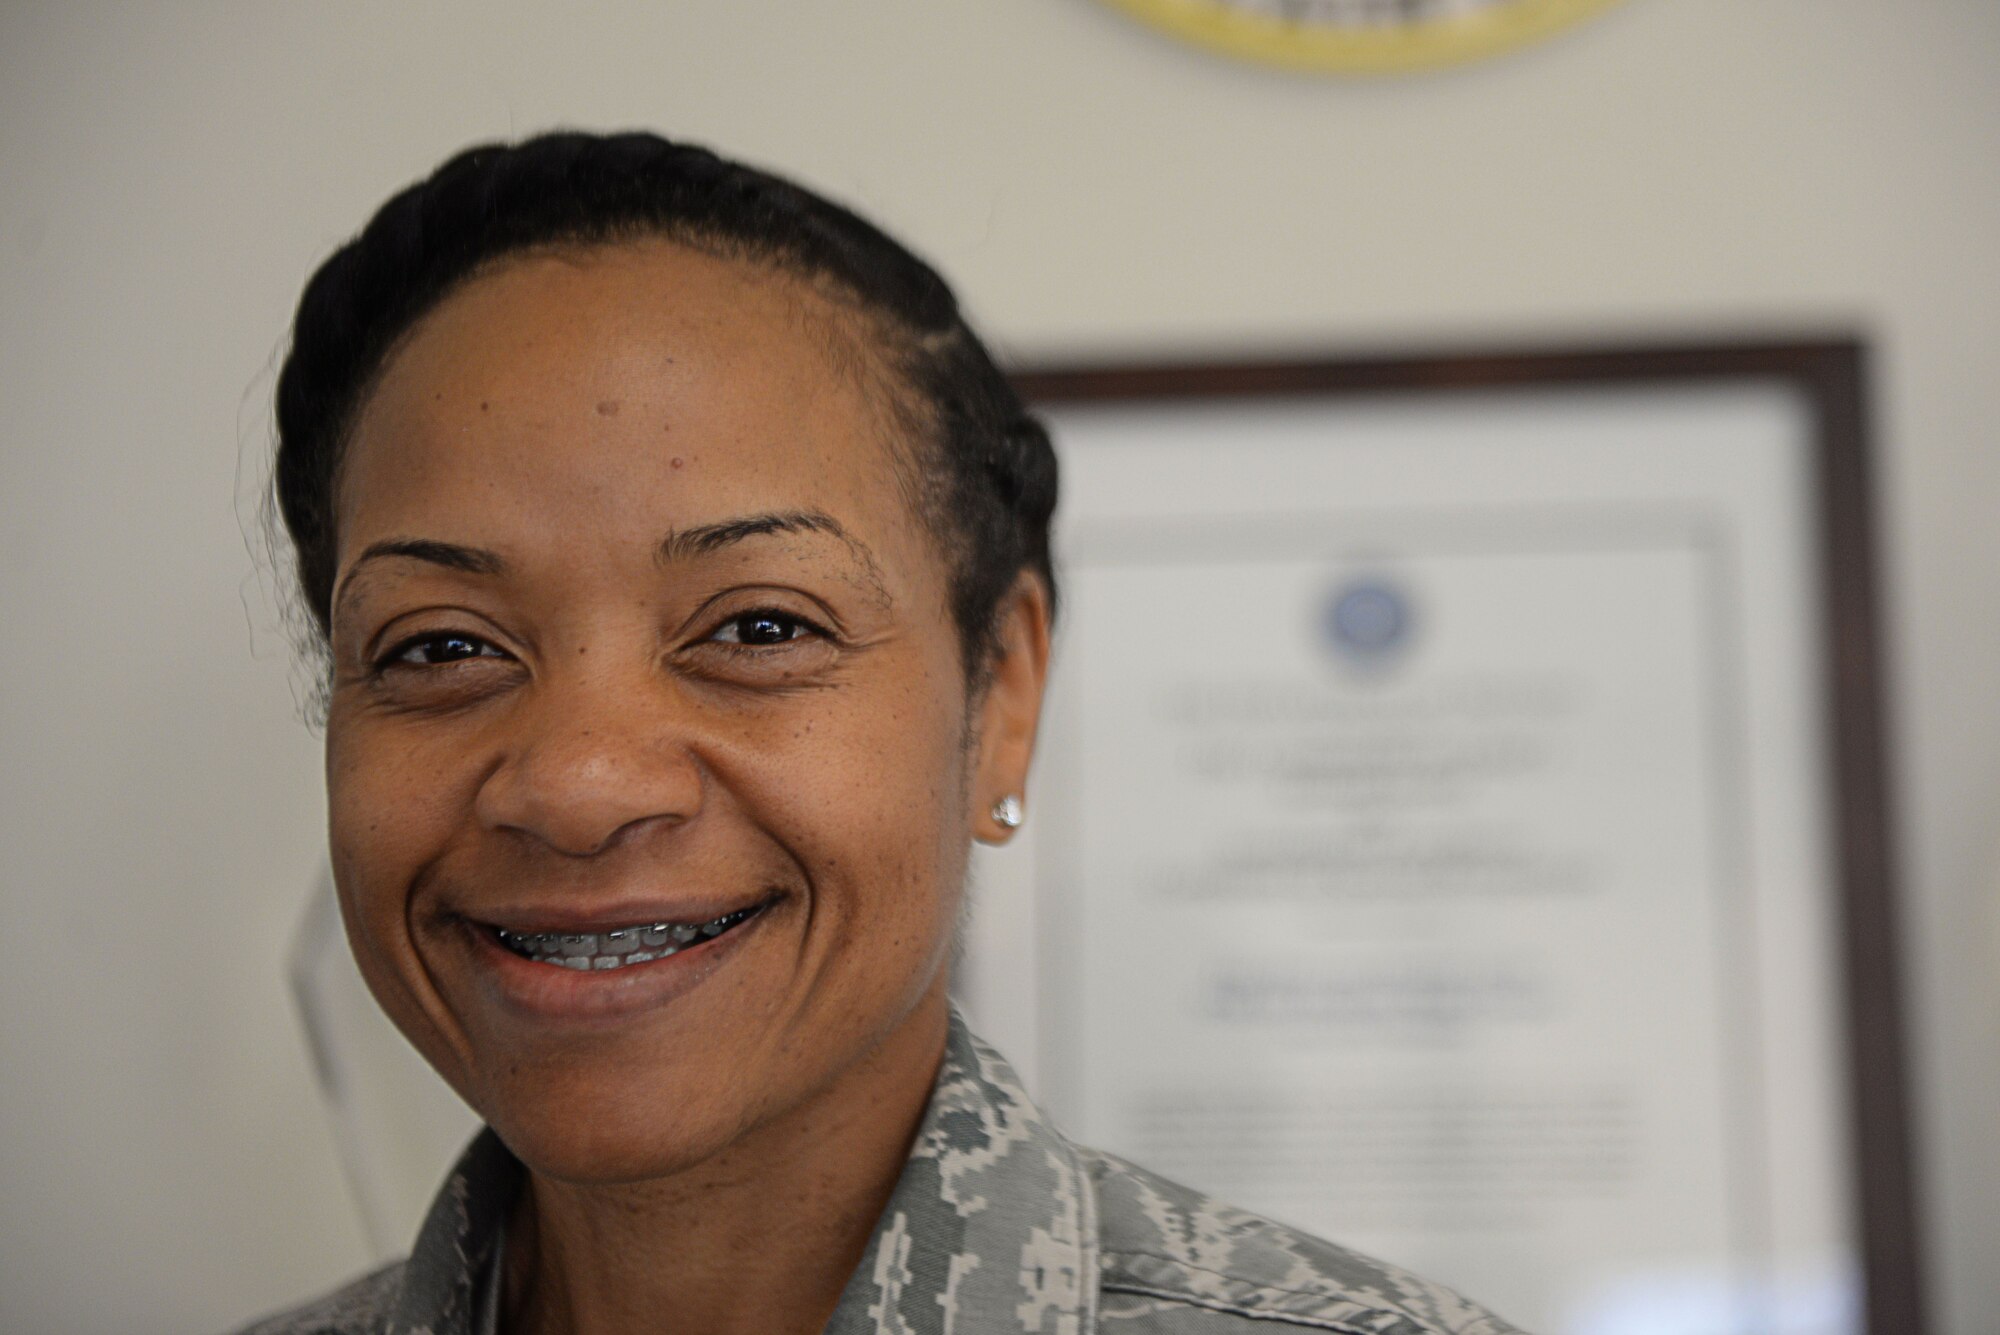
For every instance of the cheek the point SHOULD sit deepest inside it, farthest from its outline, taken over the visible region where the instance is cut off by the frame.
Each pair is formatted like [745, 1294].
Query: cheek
[389, 810]
[389, 814]
[869, 795]
[910, 815]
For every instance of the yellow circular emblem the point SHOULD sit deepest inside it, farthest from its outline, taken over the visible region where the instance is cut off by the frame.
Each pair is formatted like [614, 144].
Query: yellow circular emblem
[1361, 36]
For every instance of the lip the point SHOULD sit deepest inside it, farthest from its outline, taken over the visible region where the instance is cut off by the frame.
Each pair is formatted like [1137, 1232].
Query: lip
[546, 994]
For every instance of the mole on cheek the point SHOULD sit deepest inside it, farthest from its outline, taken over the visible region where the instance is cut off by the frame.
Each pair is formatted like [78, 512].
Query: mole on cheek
[607, 408]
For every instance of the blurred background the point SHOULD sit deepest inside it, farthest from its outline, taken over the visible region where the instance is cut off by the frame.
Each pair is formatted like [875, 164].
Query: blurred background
[169, 174]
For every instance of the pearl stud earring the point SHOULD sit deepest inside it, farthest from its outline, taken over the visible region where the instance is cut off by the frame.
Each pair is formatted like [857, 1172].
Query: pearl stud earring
[1006, 812]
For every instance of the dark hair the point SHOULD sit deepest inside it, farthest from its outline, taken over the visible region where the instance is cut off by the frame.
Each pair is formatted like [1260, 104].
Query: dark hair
[984, 476]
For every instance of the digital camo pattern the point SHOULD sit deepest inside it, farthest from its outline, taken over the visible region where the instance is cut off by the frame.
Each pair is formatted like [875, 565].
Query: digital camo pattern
[991, 1226]
[448, 1284]
[998, 1226]
[1166, 1248]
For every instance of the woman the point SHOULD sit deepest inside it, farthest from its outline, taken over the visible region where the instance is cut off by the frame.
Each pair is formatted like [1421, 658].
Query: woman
[682, 562]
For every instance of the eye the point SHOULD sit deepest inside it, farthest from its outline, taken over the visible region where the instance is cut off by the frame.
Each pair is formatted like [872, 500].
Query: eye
[766, 626]
[438, 648]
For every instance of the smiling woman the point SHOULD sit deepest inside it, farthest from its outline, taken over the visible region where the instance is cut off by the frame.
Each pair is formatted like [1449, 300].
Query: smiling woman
[682, 563]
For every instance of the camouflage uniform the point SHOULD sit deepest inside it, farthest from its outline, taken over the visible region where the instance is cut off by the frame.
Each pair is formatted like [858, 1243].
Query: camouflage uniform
[997, 1225]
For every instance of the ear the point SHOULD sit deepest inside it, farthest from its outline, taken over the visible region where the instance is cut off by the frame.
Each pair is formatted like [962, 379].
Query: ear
[1011, 706]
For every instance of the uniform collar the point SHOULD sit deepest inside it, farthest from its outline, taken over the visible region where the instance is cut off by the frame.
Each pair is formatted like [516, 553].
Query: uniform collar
[992, 1226]
[452, 1275]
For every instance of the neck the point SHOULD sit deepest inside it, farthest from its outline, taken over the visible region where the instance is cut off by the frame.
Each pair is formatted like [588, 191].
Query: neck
[760, 1238]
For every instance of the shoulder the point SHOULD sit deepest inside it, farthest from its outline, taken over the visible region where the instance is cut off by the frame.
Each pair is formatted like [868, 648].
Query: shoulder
[361, 1307]
[1176, 1262]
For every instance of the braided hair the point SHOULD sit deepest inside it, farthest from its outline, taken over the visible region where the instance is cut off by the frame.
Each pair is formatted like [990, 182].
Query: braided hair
[985, 475]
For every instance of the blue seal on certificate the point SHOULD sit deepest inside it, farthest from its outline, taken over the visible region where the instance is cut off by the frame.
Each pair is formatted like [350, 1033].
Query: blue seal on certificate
[1368, 621]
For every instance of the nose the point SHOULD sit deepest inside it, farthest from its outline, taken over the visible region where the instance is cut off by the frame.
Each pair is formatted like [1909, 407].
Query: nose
[595, 761]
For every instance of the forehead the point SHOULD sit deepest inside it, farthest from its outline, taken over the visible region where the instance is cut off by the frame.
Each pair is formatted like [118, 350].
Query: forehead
[644, 383]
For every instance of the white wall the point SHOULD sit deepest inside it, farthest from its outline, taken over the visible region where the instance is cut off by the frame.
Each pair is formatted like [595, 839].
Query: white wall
[168, 173]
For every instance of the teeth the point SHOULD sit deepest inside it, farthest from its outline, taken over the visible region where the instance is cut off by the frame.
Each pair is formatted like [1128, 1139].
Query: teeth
[622, 946]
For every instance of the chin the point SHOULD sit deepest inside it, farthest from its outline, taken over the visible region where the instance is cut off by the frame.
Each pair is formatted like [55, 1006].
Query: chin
[606, 1137]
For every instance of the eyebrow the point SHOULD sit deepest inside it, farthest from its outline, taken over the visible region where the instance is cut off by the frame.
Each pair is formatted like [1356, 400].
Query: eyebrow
[450, 555]
[679, 545]
[705, 539]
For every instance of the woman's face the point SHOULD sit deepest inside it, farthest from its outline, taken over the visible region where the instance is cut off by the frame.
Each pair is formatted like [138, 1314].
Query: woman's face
[650, 762]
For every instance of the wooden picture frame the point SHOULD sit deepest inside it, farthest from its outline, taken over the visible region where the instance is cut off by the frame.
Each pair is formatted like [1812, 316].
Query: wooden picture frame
[1829, 377]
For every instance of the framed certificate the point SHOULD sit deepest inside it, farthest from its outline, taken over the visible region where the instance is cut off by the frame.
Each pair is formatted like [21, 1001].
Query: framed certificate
[1459, 828]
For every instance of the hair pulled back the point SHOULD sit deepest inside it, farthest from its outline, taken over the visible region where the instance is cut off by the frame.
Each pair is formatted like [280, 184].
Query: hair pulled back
[985, 475]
